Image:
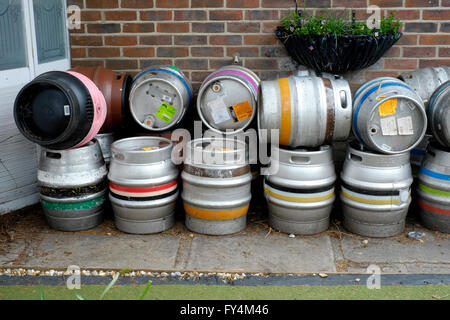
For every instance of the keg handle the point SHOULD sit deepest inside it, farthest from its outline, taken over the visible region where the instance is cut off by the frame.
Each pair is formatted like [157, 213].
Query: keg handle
[300, 160]
[53, 155]
[355, 157]
[344, 99]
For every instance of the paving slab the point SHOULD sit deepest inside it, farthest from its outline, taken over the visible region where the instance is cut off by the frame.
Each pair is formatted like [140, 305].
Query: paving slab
[256, 253]
[156, 252]
[431, 250]
[12, 251]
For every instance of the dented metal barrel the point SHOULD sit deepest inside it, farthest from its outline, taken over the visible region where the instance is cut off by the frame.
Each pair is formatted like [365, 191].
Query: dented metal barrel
[309, 111]
[375, 192]
[434, 188]
[389, 117]
[160, 97]
[227, 99]
[300, 192]
[439, 114]
[73, 187]
[105, 141]
[143, 185]
[216, 186]
[425, 81]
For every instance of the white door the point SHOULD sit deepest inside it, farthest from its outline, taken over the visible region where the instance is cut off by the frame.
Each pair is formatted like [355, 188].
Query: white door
[33, 40]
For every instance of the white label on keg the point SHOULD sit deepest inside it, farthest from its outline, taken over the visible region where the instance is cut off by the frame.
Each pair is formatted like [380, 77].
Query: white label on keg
[405, 126]
[389, 126]
[67, 110]
[219, 111]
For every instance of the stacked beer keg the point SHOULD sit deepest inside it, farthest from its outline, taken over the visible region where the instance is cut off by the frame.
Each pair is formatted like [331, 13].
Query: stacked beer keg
[311, 112]
[389, 120]
[433, 185]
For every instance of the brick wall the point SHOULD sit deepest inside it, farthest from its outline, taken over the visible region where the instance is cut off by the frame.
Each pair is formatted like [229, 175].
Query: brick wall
[199, 36]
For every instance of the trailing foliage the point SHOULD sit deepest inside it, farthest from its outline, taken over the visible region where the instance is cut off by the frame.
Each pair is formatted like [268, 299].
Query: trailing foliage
[331, 24]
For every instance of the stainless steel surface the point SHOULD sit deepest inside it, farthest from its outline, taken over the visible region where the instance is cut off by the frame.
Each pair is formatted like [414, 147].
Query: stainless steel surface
[143, 184]
[300, 195]
[439, 114]
[375, 192]
[73, 187]
[389, 117]
[216, 186]
[425, 81]
[160, 97]
[219, 95]
[309, 111]
[434, 188]
[106, 140]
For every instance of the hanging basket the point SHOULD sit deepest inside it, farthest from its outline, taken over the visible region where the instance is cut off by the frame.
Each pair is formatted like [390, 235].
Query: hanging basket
[336, 54]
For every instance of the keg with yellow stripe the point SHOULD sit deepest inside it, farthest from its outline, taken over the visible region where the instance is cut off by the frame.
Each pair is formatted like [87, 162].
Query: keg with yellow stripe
[73, 187]
[309, 111]
[216, 186]
[300, 192]
[143, 184]
[375, 192]
[434, 188]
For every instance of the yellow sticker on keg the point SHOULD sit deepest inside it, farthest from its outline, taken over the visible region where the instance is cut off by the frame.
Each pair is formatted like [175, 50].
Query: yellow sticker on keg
[243, 110]
[388, 108]
[147, 149]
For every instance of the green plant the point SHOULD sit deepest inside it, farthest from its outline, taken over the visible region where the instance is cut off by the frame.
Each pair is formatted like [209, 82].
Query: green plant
[332, 24]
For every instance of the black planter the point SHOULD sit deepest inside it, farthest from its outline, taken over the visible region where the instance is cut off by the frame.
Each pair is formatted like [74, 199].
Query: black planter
[336, 54]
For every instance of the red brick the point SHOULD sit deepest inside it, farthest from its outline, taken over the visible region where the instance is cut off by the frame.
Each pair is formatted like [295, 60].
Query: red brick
[407, 40]
[78, 40]
[207, 52]
[420, 27]
[317, 4]
[262, 15]
[172, 3]
[260, 39]
[139, 52]
[421, 3]
[190, 15]
[156, 15]
[269, 27]
[419, 52]
[444, 52]
[208, 27]
[120, 40]
[279, 4]
[350, 3]
[406, 14]
[199, 76]
[191, 40]
[91, 15]
[242, 4]
[243, 51]
[243, 27]
[120, 15]
[434, 39]
[386, 3]
[425, 63]
[102, 4]
[192, 64]
[104, 28]
[138, 27]
[436, 14]
[218, 63]
[273, 51]
[261, 64]
[137, 4]
[75, 3]
[88, 63]
[369, 74]
[226, 40]
[172, 52]
[207, 3]
[393, 52]
[122, 64]
[170, 27]
[77, 52]
[150, 63]
[400, 63]
[103, 52]
[155, 40]
[446, 3]
[225, 15]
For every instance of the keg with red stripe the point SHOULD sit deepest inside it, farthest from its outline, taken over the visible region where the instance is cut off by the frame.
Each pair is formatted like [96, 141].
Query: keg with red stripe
[143, 184]
[434, 188]
[216, 186]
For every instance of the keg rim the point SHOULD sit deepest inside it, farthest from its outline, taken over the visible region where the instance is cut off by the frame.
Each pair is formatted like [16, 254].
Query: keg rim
[253, 95]
[356, 146]
[114, 145]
